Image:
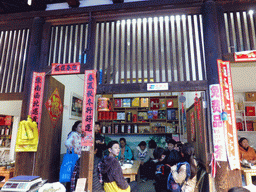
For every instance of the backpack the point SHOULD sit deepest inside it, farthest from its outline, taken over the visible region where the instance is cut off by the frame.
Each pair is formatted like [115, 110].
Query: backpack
[171, 184]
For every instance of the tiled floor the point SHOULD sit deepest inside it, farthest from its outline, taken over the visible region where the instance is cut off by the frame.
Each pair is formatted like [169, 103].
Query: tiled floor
[146, 187]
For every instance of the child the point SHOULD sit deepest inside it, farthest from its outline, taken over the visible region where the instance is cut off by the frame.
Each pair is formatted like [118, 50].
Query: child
[112, 172]
[142, 155]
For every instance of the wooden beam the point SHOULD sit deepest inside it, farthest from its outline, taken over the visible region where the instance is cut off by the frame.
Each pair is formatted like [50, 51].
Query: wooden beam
[73, 3]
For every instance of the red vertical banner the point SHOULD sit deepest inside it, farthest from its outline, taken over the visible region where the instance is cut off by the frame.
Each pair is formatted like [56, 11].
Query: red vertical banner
[228, 107]
[36, 97]
[90, 87]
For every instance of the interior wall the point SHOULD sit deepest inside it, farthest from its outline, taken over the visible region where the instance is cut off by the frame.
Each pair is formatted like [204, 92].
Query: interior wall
[243, 77]
[73, 83]
[12, 108]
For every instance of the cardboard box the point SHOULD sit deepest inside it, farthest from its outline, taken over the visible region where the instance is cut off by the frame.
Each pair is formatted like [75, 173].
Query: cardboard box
[144, 102]
[250, 111]
[239, 126]
[250, 96]
[249, 125]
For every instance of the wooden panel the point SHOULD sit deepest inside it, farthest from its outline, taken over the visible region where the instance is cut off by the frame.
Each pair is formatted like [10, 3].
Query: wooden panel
[200, 141]
[47, 161]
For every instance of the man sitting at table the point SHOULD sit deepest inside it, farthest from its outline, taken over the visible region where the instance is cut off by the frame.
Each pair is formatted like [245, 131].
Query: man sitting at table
[141, 154]
[246, 152]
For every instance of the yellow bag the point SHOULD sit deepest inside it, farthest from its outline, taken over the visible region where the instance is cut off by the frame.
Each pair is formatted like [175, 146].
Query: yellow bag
[27, 136]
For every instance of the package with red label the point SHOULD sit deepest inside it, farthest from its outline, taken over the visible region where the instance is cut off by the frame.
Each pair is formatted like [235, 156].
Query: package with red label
[249, 125]
[250, 111]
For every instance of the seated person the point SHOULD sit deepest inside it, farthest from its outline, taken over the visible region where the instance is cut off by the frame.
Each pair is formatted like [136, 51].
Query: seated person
[111, 170]
[173, 156]
[245, 151]
[151, 147]
[161, 169]
[125, 152]
[141, 154]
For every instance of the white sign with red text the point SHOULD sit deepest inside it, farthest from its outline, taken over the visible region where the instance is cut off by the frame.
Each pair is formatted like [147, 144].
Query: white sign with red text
[217, 124]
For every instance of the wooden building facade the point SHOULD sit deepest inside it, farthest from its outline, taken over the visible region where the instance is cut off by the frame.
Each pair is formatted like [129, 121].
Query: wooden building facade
[131, 44]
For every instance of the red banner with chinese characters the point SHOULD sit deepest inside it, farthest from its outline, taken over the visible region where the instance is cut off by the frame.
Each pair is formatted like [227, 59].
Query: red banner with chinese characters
[36, 97]
[90, 86]
[228, 107]
[245, 56]
[54, 107]
[67, 68]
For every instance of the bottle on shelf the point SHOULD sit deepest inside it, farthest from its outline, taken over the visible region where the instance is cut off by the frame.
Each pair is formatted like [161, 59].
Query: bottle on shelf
[109, 129]
[122, 129]
[104, 129]
[3, 130]
[129, 129]
[129, 117]
[135, 129]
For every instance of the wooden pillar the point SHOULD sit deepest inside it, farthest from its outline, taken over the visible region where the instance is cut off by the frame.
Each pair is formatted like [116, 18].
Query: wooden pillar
[24, 160]
[214, 41]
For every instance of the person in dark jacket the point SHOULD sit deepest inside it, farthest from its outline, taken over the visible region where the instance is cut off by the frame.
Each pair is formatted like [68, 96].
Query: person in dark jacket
[99, 140]
[173, 156]
[97, 185]
[113, 178]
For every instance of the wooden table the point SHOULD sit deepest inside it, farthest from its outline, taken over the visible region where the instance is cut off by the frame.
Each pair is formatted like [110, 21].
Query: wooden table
[132, 172]
[248, 173]
[7, 173]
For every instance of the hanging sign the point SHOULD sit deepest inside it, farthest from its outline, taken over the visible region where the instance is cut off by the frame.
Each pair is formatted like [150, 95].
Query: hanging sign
[217, 124]
[36, 97]
[90, 87]
[67, 68]
[245, 56]
[228, 107]
[157, 86]
[54, 107]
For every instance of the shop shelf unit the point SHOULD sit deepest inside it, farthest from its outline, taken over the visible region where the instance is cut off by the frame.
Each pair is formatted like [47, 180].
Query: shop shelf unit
[146, 119]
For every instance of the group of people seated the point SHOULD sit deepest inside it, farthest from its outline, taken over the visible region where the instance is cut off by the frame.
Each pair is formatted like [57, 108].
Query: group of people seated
[156, 163]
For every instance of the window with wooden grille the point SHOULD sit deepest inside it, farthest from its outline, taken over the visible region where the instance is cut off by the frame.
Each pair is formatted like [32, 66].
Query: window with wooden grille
[13, 55]
[153, 49]
[240, 31]
[68, 44]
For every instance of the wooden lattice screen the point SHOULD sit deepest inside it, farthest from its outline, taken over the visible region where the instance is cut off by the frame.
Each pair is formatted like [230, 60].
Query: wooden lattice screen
[157, 49]
[240, 31]
[13, 55]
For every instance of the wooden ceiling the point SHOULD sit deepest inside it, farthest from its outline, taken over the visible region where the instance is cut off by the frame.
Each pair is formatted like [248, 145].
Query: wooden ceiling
[16, 6]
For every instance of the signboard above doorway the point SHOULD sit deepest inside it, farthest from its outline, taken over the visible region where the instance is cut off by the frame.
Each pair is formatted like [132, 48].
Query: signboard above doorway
[157, 86]
[67, 68]
[245, 56]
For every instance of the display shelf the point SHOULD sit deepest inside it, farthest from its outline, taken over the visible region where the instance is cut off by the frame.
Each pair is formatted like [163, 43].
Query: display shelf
[157, 112]
[241, 112]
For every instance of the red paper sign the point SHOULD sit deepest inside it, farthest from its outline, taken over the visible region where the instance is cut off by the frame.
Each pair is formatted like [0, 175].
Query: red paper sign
[54, 107]
[67, 68]
[245, 56]
[90, 87]
[36, 97]
[228, 106]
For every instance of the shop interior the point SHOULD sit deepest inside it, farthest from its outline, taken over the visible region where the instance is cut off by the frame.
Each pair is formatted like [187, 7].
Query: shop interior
[74, 89]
